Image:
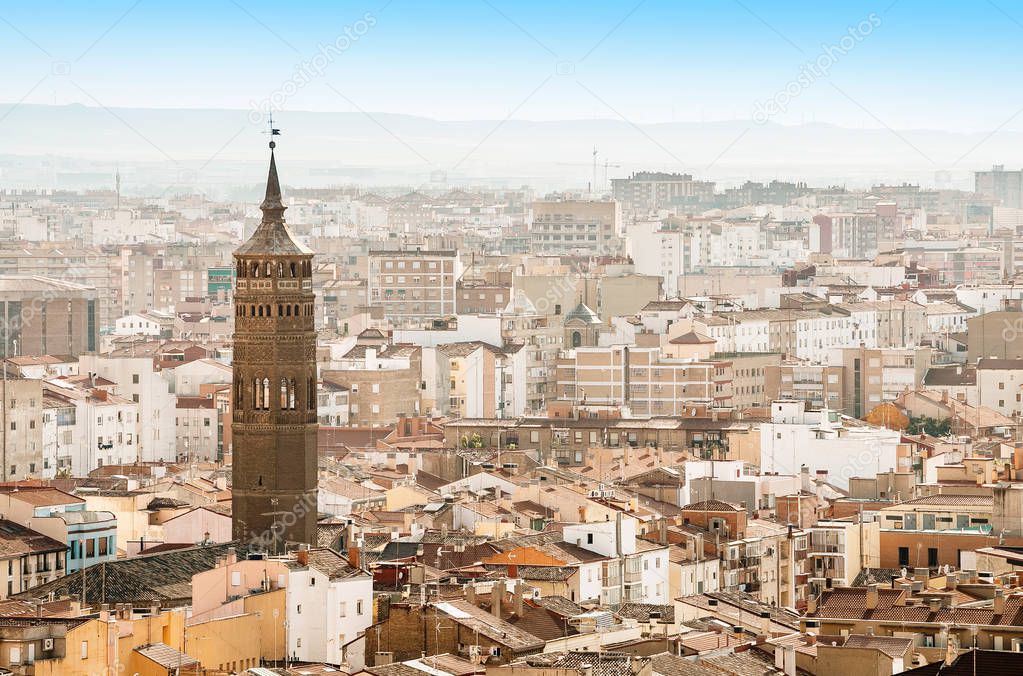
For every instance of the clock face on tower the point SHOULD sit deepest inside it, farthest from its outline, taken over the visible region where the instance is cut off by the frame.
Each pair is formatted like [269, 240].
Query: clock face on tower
[274, 426]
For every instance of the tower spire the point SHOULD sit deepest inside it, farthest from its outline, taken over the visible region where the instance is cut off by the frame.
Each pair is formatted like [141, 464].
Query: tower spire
[272, 204]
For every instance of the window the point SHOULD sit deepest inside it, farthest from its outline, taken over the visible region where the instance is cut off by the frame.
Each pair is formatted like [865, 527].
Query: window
[236, 579]
[85, 650]
[358, 607]
[90, 548]
[134, 379]
[343, 606]
[589, 538]
[298, 609]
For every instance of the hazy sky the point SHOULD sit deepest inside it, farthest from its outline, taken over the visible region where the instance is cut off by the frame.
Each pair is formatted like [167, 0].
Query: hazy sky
[905, 65]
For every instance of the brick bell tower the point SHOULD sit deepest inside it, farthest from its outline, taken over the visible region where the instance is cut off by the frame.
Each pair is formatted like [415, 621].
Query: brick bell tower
[274, 427]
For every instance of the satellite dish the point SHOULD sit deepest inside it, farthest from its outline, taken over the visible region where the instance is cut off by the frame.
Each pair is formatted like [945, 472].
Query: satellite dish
[904, 572]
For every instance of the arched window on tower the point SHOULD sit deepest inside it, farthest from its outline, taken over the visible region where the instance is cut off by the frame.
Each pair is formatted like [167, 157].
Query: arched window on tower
[241, 269]
[239, 394]
[255, 269]
[266, 394]
[310, 400]
[291, 395]
[257, 395]
[296, 310]
[280, 269]
[293, 268]
[284, 394]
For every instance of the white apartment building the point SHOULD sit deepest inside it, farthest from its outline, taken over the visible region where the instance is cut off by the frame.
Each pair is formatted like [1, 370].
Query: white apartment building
[636, 571]
[824, 441]
[137, 379]
[658, 251]
[332, 407]
[1000, 385]
[87, 427]
[329, 606]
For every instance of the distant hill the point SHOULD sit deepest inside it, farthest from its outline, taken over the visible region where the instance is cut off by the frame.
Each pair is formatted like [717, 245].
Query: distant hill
[320, 148]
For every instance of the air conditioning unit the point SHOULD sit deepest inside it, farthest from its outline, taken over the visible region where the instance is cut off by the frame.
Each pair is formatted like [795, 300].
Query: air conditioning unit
[48, 644]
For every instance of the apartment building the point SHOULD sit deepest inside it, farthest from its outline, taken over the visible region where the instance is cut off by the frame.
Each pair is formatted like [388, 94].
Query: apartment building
[641, 381]
[1000, 385]
[71, 264]
[873, 376]
[532, 340]
[648, 191]
[383, 383]
[27, 558]
[1006, 187]
[803, 334]
[338, 301]
[588, 227]
[196, 424]
[414, 287]
[22, 421]
[477, 373]
[44, 315]
[839, 551]
[477, 296]
[86, 426]
[817, 385]
[845, 235]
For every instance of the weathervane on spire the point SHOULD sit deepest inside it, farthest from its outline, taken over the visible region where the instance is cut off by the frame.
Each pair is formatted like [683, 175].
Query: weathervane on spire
[273, 131]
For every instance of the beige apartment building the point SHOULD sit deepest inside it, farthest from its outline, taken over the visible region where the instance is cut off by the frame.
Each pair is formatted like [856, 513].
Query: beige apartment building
[413, 287]
[576, 227]
[47, 316]
[818, 385]
[383, 383]
[749, 373]
[874, 376]
[638, 378]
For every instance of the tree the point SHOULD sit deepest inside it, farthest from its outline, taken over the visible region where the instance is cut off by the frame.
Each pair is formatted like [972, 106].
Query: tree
[925, 424]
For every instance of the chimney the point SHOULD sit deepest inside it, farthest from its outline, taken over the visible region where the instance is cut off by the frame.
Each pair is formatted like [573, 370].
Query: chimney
[811, 605]
[999, 606]
[513, 571]
[302, 556]
[872, 597]
[922, 575]
[354, 557]
[520, 590]
[496, 597]
[934, 605]
[470, 593]
[663, 532]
